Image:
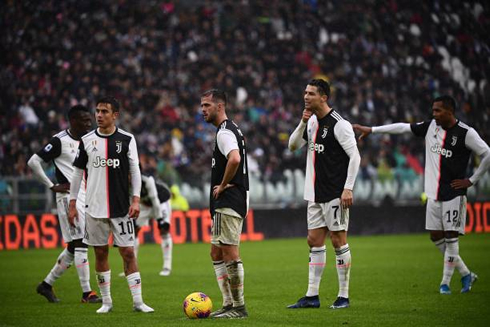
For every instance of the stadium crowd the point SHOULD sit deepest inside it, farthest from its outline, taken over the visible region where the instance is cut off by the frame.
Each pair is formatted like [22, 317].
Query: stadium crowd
[385, 60]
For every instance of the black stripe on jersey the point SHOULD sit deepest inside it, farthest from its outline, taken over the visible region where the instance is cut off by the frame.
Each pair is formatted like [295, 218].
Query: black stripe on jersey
[453, 162]
[59, 175]
[234, 197]
[118, 177]
[331, 162]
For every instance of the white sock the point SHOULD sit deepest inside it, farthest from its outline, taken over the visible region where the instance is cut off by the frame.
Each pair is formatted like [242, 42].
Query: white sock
[236, 274]
[167, 246]
[460, 265]
[83, 268]
[451, 258]
[441, 245]
[136, 246]
[134, 283]
[64, 261]
[223, 281]
[343, 263]
[318, 257]
[104, 283]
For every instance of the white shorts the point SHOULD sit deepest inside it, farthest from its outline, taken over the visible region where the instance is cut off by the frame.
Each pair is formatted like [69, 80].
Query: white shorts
[98, 230]
[329, 214]
[69, 232]
[446, 215]
[147, 213]
[226, 229]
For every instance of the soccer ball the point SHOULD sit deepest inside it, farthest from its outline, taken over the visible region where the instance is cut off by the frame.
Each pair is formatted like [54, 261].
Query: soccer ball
[197, 305]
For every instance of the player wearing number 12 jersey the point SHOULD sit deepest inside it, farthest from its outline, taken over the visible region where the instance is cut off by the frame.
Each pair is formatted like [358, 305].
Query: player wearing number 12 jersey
[448, 146]
[109, 155]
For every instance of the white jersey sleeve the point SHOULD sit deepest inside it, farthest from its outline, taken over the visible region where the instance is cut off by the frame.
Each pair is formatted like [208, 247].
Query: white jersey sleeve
[76, 182]
[345, 136]
[474, 142]
[153, 195]
[226, 141]
[134, 168]
[296, 140]
[37, 169]
[397, 128]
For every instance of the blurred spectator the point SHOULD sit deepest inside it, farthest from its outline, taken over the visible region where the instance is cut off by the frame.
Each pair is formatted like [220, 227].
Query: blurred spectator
[385, 59]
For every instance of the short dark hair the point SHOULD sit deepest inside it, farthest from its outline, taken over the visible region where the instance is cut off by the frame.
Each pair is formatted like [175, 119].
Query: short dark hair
[217, 95]
[110, 100]
[77, 110]
[448, 102]
[322, 86]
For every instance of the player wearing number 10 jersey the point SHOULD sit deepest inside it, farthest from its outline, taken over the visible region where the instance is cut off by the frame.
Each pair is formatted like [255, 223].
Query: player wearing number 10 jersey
[110, 156]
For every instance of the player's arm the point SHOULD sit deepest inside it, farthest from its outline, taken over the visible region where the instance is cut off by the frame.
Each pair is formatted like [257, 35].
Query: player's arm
[474, 142]
[134, 170]
[397, 128]
[78, 166]
[345, 135]
[50, 151]
[299, 137]
[228, 146]
[76, 182]
[153, 194]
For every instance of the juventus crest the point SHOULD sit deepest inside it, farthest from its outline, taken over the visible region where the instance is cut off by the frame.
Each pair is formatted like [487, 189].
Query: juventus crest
[118, 146]
[454, 140]
[325, 132]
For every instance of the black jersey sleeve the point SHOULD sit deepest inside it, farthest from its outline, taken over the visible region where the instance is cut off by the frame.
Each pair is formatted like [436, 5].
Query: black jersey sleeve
[82, 158]
[51, 150]
[420, 129]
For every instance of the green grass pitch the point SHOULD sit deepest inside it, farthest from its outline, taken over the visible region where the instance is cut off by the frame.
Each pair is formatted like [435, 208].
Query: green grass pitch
[394, 282]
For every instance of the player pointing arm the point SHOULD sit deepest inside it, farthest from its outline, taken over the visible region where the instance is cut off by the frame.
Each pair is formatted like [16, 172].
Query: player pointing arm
[448, 146]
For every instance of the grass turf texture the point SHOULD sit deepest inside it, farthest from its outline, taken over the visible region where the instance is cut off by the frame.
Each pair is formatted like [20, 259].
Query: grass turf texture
[394, 282]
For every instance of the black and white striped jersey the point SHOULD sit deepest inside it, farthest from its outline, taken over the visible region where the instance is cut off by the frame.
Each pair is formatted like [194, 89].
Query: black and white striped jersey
[447, 153]
[327, 162]
[108, 160]
[62, 150]
[229, 137]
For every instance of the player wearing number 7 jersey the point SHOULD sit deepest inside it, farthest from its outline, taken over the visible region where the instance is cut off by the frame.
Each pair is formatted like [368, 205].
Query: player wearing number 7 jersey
[332, 163]
[109, 156]
[448, 146]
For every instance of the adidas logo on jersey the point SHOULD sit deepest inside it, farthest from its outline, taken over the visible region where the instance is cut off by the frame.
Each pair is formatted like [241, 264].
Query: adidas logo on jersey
[440, 150]
[101, 162]
[316, 147]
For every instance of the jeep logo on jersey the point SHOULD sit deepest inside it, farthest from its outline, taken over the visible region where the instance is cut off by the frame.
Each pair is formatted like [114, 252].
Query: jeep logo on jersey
[101, 162]
[316, 147]
[440, 150]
